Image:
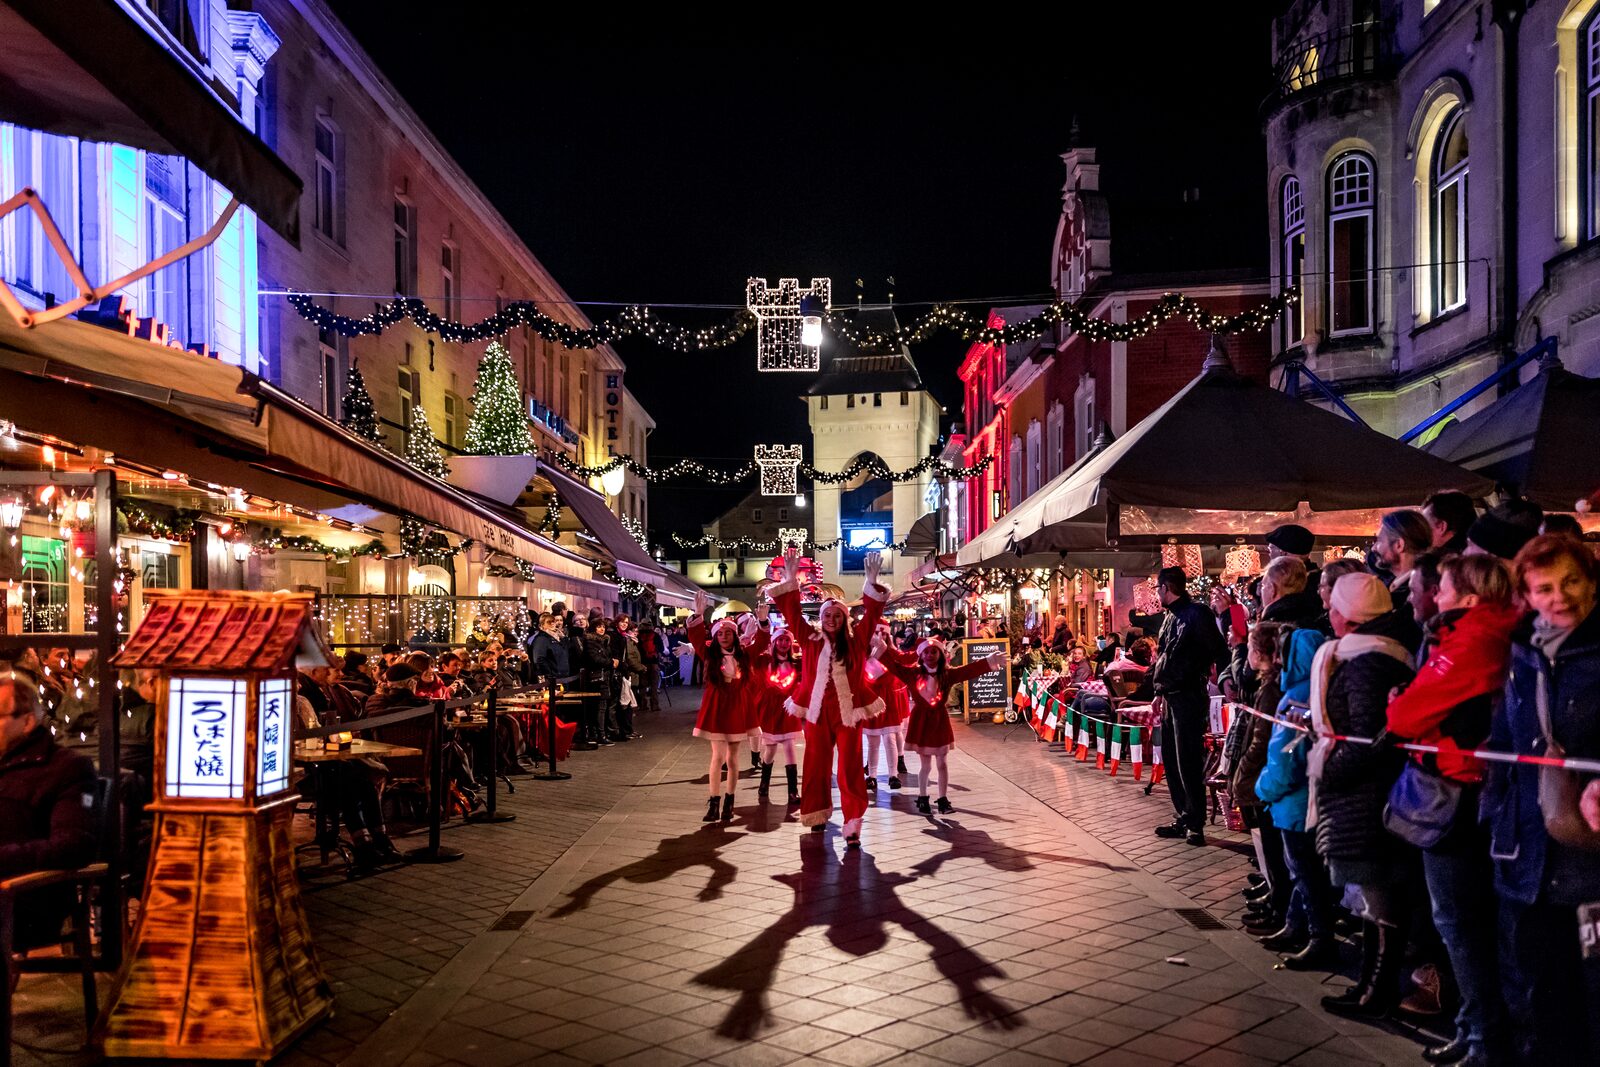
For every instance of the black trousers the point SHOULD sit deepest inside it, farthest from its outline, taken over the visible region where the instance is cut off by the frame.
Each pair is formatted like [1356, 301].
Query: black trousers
[1183, 751]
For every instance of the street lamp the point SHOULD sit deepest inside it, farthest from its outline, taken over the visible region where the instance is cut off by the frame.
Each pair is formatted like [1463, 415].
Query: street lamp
[612, 480]
[241, 550]
[799, 500]
[811, 308]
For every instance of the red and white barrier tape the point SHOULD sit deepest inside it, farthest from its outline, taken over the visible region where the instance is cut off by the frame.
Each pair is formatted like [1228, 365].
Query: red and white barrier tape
[1488, 755]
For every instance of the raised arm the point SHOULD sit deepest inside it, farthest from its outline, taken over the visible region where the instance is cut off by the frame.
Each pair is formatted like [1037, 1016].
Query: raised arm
[786, 594]
[873, 598]
[995, 661]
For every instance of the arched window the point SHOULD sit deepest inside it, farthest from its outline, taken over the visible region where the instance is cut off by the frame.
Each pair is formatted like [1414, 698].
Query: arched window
[1352, 193]
[1449, 196]
[1589, 120]
[1293, 263]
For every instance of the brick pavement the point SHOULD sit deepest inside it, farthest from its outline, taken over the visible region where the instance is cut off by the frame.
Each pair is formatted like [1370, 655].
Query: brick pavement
[1003, 933]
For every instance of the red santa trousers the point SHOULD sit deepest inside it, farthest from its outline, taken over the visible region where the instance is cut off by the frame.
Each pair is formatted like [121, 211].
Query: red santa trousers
[816, 791]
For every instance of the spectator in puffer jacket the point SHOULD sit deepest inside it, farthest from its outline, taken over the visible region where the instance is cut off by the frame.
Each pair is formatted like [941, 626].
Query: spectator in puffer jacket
[1450, 704]
[1284, 787]
[1351, 680]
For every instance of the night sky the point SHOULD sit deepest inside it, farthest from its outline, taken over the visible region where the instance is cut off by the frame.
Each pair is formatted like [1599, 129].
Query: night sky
[665, 163]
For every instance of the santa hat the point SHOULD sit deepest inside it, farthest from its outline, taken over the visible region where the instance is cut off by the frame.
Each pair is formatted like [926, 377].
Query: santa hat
[932, 642]
[729, 622]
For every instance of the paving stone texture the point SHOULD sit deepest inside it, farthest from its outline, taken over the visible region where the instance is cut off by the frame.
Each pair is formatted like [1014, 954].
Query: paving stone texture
[1035, 924]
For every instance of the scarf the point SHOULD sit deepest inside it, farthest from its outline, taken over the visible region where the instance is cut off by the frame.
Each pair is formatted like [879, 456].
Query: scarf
[1327, 659]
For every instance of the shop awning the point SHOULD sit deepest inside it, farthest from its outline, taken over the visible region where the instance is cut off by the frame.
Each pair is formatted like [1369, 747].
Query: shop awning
[82, 382]
[88, 69]
[633, 562]
[996, 546]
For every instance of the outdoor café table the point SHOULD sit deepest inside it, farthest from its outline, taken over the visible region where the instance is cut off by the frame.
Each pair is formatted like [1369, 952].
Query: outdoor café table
[313, 753]
[588, 712]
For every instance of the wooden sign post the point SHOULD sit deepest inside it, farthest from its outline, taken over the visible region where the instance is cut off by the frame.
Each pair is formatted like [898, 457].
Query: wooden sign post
[987, 693]
[221, 965]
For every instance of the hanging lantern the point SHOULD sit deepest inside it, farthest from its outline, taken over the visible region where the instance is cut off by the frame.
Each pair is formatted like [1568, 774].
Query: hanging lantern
[1145, 599]
[1242, 562]
[614, 479]
[780, 468]
[1186, 556]
[788, 322]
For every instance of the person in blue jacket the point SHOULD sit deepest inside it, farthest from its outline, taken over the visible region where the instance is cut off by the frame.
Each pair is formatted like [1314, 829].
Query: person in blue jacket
[1284, 788]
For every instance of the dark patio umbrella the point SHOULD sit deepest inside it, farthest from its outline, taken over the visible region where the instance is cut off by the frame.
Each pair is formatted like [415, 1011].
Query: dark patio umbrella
[1228, 458]
[1537, 441]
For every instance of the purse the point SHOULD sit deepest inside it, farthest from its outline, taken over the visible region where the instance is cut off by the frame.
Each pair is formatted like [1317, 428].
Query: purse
[1422, 806]
[1559, 790]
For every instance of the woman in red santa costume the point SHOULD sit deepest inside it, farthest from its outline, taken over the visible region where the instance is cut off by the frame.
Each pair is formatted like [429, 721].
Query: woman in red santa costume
[929, 679]
[882, 732]
[729, 703]
[780, 728]
[833, 694]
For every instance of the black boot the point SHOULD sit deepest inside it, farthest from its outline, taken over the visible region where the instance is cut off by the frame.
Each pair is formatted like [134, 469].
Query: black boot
[922, 805]
[1342, 1003]
[872, 782]
[713, 808]
[1320, 954]
[727, 808]
[1284, 939]
[900, 765]
[1383, 995]
[755, 758]
[792, 773]
[766, 781]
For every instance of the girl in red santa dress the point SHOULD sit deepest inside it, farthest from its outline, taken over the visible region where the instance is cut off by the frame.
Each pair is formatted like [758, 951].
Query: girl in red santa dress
[883, 731]
[833, 694]
[729, 703]
[929, 679]
[780, 728]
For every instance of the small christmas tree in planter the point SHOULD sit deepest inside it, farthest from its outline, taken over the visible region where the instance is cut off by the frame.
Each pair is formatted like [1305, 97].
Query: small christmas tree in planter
[500, 448]
[422, 450]
[360, 416]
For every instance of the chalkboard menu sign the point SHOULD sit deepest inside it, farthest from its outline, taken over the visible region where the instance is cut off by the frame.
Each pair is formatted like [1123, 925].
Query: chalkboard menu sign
[987, 693]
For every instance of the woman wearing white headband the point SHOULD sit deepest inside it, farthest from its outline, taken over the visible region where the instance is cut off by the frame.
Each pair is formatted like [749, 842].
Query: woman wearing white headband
[929, 677]
[833, 694]
[728, 703]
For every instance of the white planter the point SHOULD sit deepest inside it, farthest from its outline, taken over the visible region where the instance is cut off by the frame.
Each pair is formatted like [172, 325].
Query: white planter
[500, 478]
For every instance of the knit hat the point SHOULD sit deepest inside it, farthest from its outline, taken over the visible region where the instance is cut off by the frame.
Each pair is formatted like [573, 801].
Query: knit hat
[1361, 597]
[400, 672]
[1292, 538]
[1499, 536]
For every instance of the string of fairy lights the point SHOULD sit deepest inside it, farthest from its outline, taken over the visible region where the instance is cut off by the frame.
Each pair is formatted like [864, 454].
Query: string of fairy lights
[641, 321]
[871, 466]
[750, 544]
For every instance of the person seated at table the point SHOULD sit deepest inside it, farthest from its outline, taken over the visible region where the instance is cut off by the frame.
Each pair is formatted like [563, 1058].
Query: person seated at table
[46, 809]
[353, 788]
[356, 674]
[430, 686]
[1078, 668]
[399, 690]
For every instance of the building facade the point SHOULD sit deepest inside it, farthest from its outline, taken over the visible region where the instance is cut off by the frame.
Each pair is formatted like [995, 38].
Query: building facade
[1434, 191]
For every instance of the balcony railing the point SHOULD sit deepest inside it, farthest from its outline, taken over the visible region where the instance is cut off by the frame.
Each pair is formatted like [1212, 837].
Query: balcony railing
[1319, 60]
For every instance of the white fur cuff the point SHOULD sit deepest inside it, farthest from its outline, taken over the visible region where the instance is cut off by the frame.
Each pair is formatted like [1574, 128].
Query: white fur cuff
[876, 591]
[790, 586]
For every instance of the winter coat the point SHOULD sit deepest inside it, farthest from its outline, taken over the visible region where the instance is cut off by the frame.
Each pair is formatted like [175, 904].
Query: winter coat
[46, 824]
[1301, 609]
[1188, 647]
[1406, 629]
[1527, 862]
[549, 657]
[1282, 784]
[1451, 700]
[929, 731]
[730, 708]
[1356, 778]
[820, 671]
[1252, 756]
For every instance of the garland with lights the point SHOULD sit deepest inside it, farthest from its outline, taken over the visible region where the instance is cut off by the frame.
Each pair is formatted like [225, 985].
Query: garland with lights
[686, 467]
[630, 322]
[360, 415]
[498, 425]
[639, 320]
[521, 569]
[277, 541]
[133, 518]
[417, 539]
[551, 524]
[636, 528]
[749, 544]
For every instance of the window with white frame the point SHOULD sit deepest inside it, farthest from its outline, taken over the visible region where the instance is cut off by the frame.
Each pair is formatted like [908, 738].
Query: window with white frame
[48, 165]
[1035, 460]
[1083, 417]
[454, 409]
[1014, 474]
[449, 279]
[409, 388]
[1293, 262]
[330, 354]
[1589, 122]
[1449, 213]
[1352, 195]
[1055, 429]
[405, 248]
[166, 224]
[330, 186]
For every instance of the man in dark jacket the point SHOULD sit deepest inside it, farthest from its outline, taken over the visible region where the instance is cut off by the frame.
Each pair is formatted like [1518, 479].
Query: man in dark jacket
[548, 653]
[1188, 647]
[46, 808]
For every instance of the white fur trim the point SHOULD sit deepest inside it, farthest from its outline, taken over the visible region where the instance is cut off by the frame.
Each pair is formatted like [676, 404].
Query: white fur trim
[816, 818]
[875, 591]
[778, 739]
[857, 716]
[852, 827]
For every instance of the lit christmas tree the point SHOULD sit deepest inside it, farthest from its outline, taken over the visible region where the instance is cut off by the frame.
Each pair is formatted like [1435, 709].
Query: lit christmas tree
[498, 425]
[422, 450]
[360, 417]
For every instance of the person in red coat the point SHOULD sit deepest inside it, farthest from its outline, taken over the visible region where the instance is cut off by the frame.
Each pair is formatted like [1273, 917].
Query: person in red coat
[729, 701]
[833, 694]
[780, 728]
[883, 731]
[929, 678]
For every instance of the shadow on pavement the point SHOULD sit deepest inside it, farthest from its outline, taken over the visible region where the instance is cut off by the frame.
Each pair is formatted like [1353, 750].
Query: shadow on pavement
[700, 848]
[980, 844]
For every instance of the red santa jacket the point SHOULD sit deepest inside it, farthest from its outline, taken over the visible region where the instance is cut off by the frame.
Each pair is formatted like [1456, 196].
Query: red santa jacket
[819, 668]
[1451, 700]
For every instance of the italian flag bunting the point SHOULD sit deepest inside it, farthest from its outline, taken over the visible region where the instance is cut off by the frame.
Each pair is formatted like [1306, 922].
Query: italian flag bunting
[1157, 771]
[1135, 742]
[1053, 720]
[1099, 745]
[1083, 738]
[1116, 750]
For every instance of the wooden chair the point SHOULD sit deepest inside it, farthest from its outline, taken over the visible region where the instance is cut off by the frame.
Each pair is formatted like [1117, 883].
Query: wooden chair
[91, 886]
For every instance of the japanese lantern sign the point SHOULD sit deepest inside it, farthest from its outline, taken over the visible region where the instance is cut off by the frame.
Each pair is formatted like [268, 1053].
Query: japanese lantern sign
[272, 750]
[205, 737]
